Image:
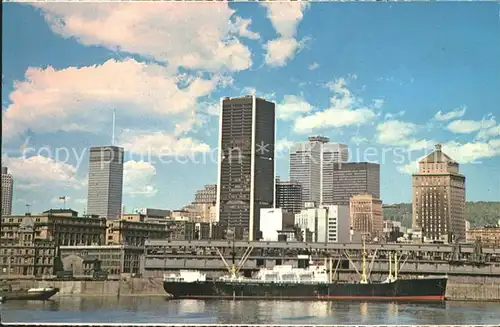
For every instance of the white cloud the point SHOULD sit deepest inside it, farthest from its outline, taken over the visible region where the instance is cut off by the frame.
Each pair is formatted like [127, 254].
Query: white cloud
[345, 110]
[177, 33]
[469, 126]
[138, 178]
[161, 144]
[81, 99]
[495, 143]
[489, 132]
[378, 103]
[470, 152]
[281, 50]
[241, 27]
[253, 91]
[454, 114]
[395, 132]
[293, 106]
[39, 171]
[463, 153]
[409, 169]
[358, 140]
[313, 66]
[394, 115]
[283, 146]
[414, 145]
[285, 17]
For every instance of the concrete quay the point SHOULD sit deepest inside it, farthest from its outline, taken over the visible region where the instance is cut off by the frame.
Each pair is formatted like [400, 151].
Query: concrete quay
[459, 288]
[54, 324]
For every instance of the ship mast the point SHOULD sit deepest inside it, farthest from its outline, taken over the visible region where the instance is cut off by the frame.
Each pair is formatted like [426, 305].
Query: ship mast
[390, 265]
[233, 257]
[395, 265]
[363, 273]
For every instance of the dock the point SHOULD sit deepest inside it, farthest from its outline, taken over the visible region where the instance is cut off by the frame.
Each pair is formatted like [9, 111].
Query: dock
[71, 324]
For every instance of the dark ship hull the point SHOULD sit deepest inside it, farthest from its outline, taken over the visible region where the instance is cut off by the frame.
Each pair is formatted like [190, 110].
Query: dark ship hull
[25, 295]
[420, 289]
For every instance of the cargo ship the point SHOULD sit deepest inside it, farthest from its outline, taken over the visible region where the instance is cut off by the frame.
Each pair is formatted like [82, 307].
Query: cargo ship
[315, 282]
[31, 294]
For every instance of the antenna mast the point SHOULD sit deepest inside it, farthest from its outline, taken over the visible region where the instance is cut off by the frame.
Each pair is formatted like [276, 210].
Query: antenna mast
[113, 131]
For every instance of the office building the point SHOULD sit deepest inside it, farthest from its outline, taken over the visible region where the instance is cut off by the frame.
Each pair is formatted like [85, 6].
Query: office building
[366, 215]
[276, 220]
[312, 164]
[324, 224]
[201, 209]
[206, 195]
[489, 236]
[353, 178]
[7, 192]
[105, 186]
[25, 253]
[288, 196]
[439, 198]
[333, 154]
[338, 224]
[246, 163]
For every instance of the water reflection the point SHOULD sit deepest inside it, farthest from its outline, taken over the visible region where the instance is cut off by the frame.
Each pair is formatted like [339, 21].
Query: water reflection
[160, 310]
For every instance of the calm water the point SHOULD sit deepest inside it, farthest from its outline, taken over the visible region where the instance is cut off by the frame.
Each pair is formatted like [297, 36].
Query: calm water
[158, 310]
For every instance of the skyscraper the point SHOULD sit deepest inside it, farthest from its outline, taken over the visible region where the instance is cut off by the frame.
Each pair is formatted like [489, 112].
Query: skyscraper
[353, 178]
[246, 163]
[288, 196]
[105, 181]
[7, 191]
[439, 197]
[312, 165]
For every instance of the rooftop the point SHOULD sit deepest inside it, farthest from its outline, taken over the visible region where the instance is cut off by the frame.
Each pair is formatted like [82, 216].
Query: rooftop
[438, 156]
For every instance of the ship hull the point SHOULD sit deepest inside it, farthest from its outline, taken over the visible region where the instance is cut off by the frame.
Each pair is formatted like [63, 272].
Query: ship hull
[29, 296]
[425, 289]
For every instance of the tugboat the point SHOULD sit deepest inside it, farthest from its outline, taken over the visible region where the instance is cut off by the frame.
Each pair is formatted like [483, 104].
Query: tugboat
[312, 283]
[7, 293]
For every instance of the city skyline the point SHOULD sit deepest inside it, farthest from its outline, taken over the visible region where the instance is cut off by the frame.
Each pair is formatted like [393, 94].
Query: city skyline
[384, 87]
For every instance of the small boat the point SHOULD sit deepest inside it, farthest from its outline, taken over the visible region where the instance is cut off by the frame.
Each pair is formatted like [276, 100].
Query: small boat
[31, 294]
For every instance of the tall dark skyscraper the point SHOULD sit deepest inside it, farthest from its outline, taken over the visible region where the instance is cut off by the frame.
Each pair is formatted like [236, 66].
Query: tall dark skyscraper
[105, 181]
[246, 163]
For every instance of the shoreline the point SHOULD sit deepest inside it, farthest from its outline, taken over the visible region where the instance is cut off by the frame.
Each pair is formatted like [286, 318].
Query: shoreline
[166, 297]
[153, 287]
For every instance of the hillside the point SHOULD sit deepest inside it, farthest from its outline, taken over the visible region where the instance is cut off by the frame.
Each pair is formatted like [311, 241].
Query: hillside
[478, 213]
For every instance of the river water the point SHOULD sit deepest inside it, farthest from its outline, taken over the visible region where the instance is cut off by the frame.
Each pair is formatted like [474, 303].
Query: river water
[159, 310]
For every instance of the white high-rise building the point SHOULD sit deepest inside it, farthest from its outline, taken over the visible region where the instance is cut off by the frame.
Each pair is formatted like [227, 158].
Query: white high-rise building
[312, 165]
[325, 224]
[338, 224]
[276, 220]
[7, 192]
[105, 182]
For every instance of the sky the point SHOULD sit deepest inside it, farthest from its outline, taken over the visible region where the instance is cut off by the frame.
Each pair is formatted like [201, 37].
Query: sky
[390, 80]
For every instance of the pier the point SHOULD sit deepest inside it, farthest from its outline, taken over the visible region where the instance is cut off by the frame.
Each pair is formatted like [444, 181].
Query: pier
[460, 260]
[59, 324]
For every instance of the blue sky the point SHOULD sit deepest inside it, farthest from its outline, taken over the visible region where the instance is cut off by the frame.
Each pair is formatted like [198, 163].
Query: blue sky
[388, 79]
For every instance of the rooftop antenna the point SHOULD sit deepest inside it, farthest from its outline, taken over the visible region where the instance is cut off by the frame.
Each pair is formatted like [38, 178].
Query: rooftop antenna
[113, 132]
